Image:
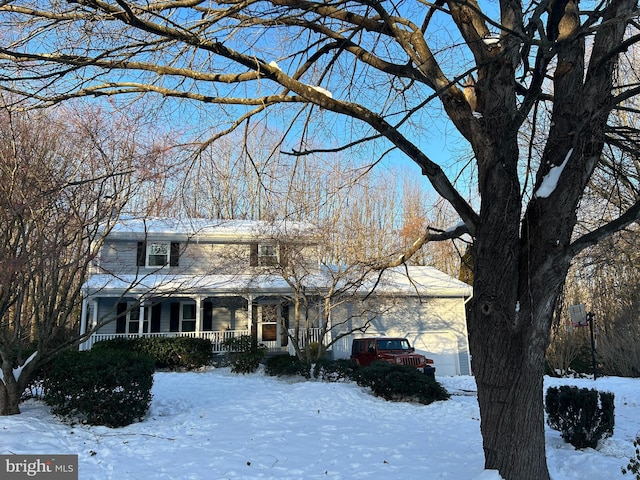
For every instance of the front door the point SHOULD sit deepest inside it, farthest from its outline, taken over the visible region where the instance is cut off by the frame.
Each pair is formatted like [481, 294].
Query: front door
[268, 325]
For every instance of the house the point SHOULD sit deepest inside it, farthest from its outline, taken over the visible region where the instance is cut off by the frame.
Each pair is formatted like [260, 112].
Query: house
[218, 279]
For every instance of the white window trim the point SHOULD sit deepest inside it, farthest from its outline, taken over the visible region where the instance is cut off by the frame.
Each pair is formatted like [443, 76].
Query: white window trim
[149, 254]
[183, 319]
[135, 307]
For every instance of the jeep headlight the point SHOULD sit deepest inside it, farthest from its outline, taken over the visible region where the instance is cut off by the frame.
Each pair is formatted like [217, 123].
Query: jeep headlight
[398, 360]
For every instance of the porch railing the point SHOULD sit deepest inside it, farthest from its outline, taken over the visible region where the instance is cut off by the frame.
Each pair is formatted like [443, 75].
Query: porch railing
[307, 337]
[216, 337]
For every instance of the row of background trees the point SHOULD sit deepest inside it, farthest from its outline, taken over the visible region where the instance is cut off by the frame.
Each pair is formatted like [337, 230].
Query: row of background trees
[541, 112]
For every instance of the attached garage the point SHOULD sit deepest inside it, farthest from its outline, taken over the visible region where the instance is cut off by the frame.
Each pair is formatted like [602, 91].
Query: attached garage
[441, 347]
[419, 303]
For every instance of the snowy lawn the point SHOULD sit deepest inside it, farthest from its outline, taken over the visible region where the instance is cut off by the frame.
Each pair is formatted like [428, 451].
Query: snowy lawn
[217, 425]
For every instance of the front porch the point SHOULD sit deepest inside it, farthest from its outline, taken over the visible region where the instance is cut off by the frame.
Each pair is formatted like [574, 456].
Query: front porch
[216, 338]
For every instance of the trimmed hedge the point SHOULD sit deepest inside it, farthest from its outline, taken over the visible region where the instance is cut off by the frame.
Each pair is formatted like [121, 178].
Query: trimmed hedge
[583, 416]
[111, 388]
[335, 370]
[168, 352]
[389, 381]
[400, 383]
[286, 366]
[244, 355]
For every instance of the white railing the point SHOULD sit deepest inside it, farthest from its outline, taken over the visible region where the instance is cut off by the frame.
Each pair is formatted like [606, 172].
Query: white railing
[216, 337]
[308, 336]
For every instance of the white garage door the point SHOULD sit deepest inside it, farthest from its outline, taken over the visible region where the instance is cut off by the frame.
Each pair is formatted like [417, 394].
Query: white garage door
[441, 346]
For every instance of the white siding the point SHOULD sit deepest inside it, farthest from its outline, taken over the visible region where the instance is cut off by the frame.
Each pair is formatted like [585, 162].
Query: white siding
[437, 326]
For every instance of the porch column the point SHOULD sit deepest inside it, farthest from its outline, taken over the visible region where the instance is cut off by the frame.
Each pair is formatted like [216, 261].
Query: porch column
[83, 322]
[83, 316]
[198, 315]
[141, 321]
[328, 334]
[94, 313]
[249, 313]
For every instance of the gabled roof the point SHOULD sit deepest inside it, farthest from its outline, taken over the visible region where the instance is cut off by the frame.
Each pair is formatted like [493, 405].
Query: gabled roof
[127, 227]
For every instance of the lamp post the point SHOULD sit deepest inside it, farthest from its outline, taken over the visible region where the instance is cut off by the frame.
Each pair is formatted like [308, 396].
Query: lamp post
[590, 316]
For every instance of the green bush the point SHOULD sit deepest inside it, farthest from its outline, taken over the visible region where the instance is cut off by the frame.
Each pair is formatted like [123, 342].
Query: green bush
[286, 366]
[582, 416]
[400, 383]
[168, 352]
[244, 355]
[314, 351]
[335, 370]
[111, 388]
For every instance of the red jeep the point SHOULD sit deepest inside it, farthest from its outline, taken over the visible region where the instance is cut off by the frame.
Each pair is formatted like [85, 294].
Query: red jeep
[396, 350]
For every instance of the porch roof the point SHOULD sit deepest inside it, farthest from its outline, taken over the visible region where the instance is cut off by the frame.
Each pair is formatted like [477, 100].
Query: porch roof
[399, 281]
[162, 284]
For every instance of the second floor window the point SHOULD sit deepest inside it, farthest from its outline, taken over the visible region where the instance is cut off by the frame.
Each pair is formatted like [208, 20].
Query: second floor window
[158, 254]
[264, 255]
[268, 255]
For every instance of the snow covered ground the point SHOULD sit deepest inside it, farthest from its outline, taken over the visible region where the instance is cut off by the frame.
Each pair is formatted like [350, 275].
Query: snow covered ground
[217, 425]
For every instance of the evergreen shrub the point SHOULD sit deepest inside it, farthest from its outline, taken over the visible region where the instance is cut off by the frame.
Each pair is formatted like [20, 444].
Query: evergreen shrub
[335, 370]
[173, 353]
[314, 351]
[286, 366]
[107, 387]
[244, 355]
[582, 416]
[400, 383]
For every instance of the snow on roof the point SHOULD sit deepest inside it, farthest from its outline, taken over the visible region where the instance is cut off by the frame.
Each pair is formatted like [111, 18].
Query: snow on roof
[412, 281]
[160, 284]
[128, 226]
[416, 280]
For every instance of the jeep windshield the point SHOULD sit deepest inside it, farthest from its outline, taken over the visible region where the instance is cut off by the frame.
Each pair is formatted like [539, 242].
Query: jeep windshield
[393, 344]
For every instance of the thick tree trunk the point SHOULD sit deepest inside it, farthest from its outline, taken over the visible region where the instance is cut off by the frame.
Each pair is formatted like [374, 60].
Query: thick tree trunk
[509, 324]
[509, 373]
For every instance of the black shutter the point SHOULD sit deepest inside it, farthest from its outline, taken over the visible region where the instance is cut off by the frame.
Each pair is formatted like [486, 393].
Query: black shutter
[141, 256]
[121, 319]
[156, 311]
[174, 258]
[284, 309]
[253, 257]
[283, 255]
[207, 314]
[174, 321]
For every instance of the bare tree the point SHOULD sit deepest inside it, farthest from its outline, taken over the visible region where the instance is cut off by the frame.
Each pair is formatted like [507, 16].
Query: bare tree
[371, 75]
[59, 193]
